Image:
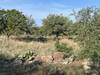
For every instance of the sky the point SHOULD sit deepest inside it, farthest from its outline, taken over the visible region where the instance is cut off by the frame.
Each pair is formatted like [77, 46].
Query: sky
[39, 9]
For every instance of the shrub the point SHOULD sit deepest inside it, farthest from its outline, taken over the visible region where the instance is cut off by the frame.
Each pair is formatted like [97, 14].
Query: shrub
[61, 47]
[27, 55]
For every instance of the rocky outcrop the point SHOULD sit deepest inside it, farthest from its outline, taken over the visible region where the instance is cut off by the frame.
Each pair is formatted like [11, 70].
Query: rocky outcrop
[46, 59]
[58, 56]
[87, 65]
[55, 57]
[90, 67]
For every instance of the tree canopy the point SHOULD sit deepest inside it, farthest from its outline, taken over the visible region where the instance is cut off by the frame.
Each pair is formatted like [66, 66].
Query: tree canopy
[88, 31]
[14, 22]
[55, 24]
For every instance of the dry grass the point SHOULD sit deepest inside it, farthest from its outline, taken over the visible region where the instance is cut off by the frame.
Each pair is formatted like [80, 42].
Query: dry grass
[14, 47]
[71, 43]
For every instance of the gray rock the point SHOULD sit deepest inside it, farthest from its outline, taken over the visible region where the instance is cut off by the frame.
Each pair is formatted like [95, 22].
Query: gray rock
[17, 62]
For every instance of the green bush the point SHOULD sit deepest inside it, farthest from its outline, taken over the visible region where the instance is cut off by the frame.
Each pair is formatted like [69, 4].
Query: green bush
[27, 55]
[62, 47]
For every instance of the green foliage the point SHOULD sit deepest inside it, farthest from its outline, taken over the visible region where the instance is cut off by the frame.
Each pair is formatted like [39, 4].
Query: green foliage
[55, 25]
[30, 25]
[88, 30]
[61, 47]
[3, 23]
[14, 22]
[27, 55]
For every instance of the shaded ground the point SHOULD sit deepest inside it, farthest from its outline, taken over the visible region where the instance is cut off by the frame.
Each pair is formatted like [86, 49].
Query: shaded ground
[8, 67]
[16, 66]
